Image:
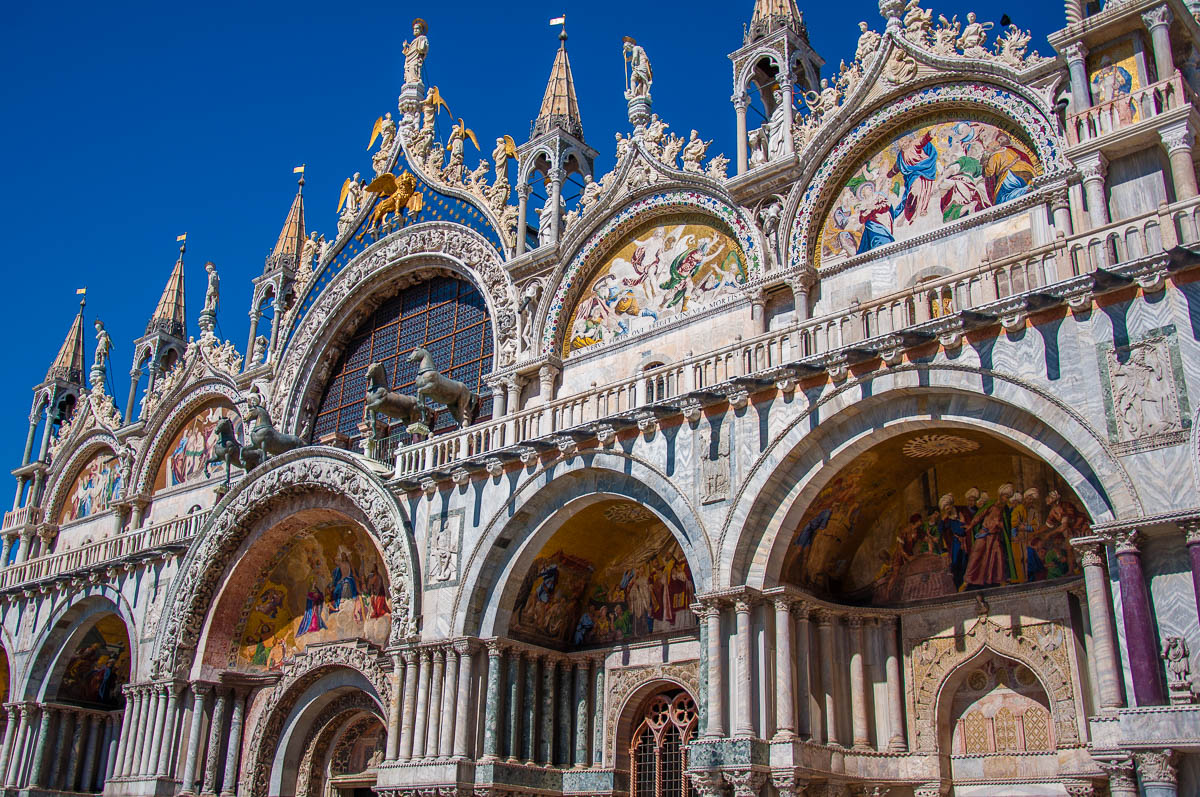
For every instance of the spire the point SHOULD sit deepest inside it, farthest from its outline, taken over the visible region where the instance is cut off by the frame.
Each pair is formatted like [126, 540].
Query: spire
[291, 237]
[170, 316]
[68, 365]
[559, 107]
[771, 15]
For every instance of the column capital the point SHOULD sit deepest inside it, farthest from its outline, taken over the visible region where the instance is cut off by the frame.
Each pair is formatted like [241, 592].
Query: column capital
[495, 648]
[1191, 530]
[463, 646]
[824, 617]
[439, 655]
[1178, 137]
[1090, 553]
[1156, 766]
[410, 657]
[783, 603]
[1157, 18]
[1093, 166]
[743, 605]
[1127, 541]
[1120, 774]
[1074, 52]
[801, 610]
[557, 174]
[854, 621]
[523, 191]
[740, 100]
[889, 623]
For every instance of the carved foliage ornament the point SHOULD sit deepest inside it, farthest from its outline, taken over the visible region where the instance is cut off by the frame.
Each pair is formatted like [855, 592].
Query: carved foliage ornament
[292, 474]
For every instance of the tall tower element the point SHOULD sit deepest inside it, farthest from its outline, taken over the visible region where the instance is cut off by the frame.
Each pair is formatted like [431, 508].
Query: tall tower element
[273, 289]
[165, 339]
[556, 148]
[775, 60]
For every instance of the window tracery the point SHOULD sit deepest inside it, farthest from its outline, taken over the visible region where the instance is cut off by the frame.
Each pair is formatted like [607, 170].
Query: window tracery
[658, 750]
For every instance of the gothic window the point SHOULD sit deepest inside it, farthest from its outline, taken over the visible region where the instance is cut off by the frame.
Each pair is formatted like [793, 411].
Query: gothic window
[445, 316]
[658, 751]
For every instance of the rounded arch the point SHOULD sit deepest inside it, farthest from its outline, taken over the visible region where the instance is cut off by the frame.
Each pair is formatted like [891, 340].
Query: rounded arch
[163, 425]
[84, 451]
[529, 518]
[836, 151]
[314, 683]
[629, 694]
[64, 629]
[403, 257]
[322, 478]
[836, 427]
[750, 63]
[568, 286]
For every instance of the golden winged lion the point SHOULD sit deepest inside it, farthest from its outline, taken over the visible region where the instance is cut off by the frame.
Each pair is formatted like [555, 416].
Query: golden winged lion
[399, 193]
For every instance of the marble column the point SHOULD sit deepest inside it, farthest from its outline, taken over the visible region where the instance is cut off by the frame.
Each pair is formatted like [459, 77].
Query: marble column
[95, 732]
[37, 775]
[557, 175]
[562, 756]
[1074, 11]
[512, 689]
[740, 103]
[216, 732]
[858, 684]
[234, 751]
[582, 677]
[1178, 140]
[12, 720]
[530, 703]
[785, 697]
[546, 732]
[1106, 668]
[491, 722]
[449, 705]
[1122, 780]
[148, 756]
[410, 704]
[112, 742]
[803, 668]
[743, 725]
[421, 723]
[61, 725]
[392, 750]
[895, 695]
[77, 751]
[127, 721]
[436, 687]
[1093, 169]
[716, 685]
[598, 695]
[785, 88]
[1081, 93]
[523, 191]
[829, 709]
[166, 754]
[1140, 642]
[1060, 212]
[200, 694]
[158, 729]
[463, 724]
[1191, 532]
[11, 777]
[1157, 771]
[1158, 22]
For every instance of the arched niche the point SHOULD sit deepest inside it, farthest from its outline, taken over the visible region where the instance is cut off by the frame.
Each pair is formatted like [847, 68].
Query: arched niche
[655, 750]
[94, 664]
[322, 581]
[930, 514]
[92, 488]
[187, 457]
[611, 573]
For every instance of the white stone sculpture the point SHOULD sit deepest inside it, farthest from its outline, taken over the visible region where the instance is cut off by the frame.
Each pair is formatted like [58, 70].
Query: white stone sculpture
[777, 131]
[641, 76]
[415, 52]
[212, 296]
[973, 36]
[693, 153]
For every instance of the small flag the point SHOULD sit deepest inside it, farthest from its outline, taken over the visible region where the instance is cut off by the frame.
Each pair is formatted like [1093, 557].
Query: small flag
[81, 291]
[559, 20]
[181, 237]
[299, 169]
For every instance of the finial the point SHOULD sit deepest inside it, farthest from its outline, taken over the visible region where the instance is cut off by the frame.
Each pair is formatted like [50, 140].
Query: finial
[182, 240]
[300, 171]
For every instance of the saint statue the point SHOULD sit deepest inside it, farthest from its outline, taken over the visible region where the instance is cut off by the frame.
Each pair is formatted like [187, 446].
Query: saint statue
[415, 51]
[213, 294]
[777, 131]
[640, 74]
[103, 345]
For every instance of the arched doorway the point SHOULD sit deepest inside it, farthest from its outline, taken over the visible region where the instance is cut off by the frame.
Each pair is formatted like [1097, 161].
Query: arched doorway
[666, 723]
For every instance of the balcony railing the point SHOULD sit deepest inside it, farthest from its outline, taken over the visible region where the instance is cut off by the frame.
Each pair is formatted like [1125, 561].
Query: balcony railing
[1130, 109]
[990, 282]
[176, 531]
[25, 516]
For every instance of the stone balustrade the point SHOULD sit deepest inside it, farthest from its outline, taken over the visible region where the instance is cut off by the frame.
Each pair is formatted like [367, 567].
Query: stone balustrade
[1139, 105]
[25, 516]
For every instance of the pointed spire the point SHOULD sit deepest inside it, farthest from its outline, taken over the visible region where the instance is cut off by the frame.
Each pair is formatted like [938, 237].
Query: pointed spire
[560, 108]
[170, 316]
[68, 365]
[771, 15]
[291, 237]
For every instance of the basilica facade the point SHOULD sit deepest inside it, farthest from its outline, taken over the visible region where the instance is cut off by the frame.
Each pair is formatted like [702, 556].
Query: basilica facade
[860, 462]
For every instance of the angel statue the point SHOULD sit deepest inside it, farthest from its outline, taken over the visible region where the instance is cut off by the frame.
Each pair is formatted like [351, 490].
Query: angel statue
[415, 51]
[212, 296]
[640, 76]
[868, 43]
[505, 148]
[103, 345]
[398, 194]
[385, 127]
[307, 253]
[352, 195]
[458, 134]
[591, 193]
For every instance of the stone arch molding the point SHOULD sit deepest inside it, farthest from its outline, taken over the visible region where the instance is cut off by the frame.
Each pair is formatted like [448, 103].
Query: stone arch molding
[87, 446]
[628, 684]
[346, 298]
[935, 659]
[568, 286]
[167, 425]
[299, 472]
[299, 675]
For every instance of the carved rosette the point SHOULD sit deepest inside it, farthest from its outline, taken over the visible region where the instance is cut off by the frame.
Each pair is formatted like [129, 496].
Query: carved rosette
[296, 473]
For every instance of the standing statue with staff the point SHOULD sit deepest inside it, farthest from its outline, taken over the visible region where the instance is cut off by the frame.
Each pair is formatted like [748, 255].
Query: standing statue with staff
[638, 74]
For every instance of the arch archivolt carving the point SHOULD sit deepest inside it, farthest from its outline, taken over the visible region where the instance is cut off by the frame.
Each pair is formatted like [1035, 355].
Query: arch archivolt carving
[321, 734]
[302, 472]
[626, 685]
[154, 447]
[934, 659]
[54, 638]
[565, 291]
[83, 450]
[301, 673]
[409, 255]
[834, 151]
[1013, 408]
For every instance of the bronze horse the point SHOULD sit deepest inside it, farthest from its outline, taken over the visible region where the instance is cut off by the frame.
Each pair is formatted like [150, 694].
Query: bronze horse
[227, 449]
[431, 385]
[382, 401]
[265, 438]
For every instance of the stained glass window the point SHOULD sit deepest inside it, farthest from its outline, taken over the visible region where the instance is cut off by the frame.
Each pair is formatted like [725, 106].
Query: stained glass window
[445, 316]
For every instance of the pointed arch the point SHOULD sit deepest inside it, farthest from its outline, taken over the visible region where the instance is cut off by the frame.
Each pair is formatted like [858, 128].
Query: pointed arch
[162, 427]
[88, 447]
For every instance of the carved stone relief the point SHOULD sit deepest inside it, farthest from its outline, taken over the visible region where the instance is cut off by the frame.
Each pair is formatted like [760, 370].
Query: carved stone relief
[444, 549]
[714, 461]
[1144, 393]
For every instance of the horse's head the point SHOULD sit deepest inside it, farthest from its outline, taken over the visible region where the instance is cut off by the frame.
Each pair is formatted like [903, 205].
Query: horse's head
[417, 355]
[224, 429]
[376, 374]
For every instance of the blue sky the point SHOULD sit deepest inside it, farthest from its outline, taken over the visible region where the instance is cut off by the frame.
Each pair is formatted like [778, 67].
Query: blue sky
[127, 125]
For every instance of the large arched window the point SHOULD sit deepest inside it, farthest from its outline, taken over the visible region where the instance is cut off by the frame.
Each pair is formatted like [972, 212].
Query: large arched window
[658, 748]
[445, 315]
